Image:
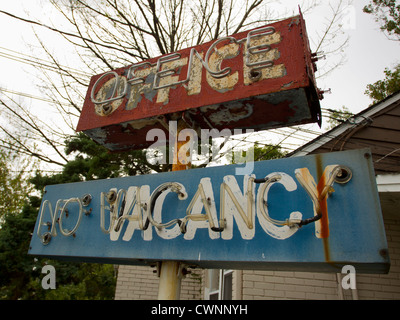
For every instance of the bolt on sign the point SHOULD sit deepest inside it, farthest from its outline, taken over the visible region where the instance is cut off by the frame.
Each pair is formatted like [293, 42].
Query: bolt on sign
[314, 213]
[258, 79]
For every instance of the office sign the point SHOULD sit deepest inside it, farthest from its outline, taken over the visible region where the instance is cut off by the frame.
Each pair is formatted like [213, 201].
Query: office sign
[257, 79]
[313, 213]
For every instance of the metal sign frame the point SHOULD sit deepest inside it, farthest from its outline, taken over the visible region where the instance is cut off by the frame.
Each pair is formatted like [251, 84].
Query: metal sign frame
[313, 213]
[257, 79]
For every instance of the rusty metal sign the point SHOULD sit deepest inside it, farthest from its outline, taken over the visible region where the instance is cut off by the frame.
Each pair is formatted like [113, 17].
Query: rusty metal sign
[314, 213]
[258, 79]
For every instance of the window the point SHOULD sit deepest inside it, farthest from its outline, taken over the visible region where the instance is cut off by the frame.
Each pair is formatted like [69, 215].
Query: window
[218, 284]
[227, 284]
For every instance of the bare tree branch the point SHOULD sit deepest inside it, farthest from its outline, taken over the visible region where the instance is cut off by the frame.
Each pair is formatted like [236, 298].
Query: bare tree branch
[115, 33]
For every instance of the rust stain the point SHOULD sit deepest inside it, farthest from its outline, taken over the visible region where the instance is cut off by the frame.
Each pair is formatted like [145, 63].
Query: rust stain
[324, 210]
[327, 250]
[324, 221]
[182, 159]
[284, 93]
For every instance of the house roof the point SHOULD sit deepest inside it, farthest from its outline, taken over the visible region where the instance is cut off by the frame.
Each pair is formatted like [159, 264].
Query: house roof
[377, 127]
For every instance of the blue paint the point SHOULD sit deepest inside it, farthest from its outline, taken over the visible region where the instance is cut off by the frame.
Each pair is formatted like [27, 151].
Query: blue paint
[357, 235]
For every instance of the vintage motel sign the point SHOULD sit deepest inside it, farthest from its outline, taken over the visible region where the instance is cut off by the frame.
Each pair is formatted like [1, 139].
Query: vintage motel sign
[313, 213]
[258, 79]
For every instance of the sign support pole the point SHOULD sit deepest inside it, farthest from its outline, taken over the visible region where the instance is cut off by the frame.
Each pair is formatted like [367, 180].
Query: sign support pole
[171, 271]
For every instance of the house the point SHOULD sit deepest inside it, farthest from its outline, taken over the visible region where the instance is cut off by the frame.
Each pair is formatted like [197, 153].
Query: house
[377, 128]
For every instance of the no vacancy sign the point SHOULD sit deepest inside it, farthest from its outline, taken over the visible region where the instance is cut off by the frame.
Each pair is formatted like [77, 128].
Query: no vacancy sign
[313, 213]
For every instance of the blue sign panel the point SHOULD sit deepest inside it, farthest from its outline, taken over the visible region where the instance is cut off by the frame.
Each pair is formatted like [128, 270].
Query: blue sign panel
[313, 213]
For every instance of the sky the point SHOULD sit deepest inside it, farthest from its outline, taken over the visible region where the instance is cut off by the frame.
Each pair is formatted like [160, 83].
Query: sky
[369, 52]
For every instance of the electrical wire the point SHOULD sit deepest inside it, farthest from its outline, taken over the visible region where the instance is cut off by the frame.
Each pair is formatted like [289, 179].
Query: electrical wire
[31, 96]
[38, 62]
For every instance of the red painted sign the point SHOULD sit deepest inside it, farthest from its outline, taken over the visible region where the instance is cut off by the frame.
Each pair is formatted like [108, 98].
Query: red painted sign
[258, 79]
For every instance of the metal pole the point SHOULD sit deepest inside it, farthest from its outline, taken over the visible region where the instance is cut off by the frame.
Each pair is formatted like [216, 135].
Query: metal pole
[171, 271]
[170, 281]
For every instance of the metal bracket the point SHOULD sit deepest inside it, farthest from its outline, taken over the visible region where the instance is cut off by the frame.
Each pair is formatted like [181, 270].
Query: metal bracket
[181, 273]
[158, 268]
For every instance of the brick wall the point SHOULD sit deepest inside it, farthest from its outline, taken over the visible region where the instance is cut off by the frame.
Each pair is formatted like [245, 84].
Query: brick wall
[137, 283]
[141, 283]
[288, 285]
[385, 286]
[321, 286]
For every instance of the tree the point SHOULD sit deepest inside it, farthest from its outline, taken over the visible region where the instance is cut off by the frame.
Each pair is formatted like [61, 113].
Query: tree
[113, 33]
[329, 41]
[93, 161]
[14, 186]
[20, 274]
[15, 264]
[384, 88]
[338, 116]
[104, 35]
[258, 153]
[387, 13]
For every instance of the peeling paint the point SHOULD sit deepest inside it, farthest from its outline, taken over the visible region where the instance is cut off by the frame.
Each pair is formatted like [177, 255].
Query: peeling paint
[140, 124]
[287, 85]
[230, 113]
[137, 91]
[194, 85]
[105, 92]
[101, 137]
[163, 94]
[250, 236]
[220, 84]
[276, 71]
[226, 83]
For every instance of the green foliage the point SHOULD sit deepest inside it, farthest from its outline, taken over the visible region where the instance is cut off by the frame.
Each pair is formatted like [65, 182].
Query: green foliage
[267, 152]
[384, 88]
[20, 274]
[93, 161]
[15, 264]
[13, 186]
[337, 116]
[76, 281]
[258, 153]
[387, 12]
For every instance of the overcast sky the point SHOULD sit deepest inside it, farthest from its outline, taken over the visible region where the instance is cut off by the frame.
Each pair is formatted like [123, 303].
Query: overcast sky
[368, 54]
